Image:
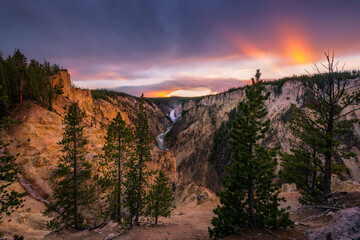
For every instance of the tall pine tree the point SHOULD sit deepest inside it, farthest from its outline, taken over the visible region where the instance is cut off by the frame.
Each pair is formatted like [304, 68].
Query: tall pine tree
[3, 89]
[73, 190]
[160, 198]
[131, 188]
[9, 200]
[303, 165]
[318, 149]
[117, 144]
[250, 196]
[143, 155]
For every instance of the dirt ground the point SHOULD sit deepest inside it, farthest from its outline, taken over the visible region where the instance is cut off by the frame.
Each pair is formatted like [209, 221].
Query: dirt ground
[191, 221]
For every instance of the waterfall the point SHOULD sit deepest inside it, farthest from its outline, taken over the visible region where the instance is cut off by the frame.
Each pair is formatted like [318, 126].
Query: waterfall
[173, 117]
[160, 137]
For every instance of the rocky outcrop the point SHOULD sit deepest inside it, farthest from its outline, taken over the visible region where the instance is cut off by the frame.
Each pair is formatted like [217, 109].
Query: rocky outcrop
[191, 138]
[344, 225]
[36, 137]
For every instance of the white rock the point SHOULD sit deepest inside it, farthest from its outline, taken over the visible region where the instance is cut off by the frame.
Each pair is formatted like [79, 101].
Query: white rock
[110, 236]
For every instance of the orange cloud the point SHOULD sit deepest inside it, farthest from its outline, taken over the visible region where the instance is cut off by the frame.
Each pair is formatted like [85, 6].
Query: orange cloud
[245, 47]
[291, 45]
[155, 94]
[249, 49]
[295, 44]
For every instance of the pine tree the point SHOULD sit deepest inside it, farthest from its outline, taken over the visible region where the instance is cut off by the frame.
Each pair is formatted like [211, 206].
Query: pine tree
[160, 198]
[9, 201]
[318, 150]
[59, 88]
[20, 64]
[143, 155]
[303, 165]
[73, 190]
[250, 196]
[112, 165]
[131, 188]
[3, 89]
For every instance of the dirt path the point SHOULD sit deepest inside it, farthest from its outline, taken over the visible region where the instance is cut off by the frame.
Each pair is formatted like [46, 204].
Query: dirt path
[187, 222]
[190, 221]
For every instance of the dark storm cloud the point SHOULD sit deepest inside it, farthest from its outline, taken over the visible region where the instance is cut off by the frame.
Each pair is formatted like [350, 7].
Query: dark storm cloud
[123, 39]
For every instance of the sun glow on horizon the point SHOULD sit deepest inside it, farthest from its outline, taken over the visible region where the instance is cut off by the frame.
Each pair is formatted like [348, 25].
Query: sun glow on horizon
[289, 52]
[156, 94]
[295, 44]
[195, 92]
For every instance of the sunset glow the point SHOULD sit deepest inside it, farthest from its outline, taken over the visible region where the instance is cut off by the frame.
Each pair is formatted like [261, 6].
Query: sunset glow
[245, 47]
[174, 48]
[191, 92]
[155, 94]
[295, 44]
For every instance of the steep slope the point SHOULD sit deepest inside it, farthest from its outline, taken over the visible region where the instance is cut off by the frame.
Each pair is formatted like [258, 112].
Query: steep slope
[36, 137]
[192, 137]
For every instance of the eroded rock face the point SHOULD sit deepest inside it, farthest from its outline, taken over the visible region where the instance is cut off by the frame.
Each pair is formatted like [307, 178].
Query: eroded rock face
[345, 225]
[191, 138]
[36, 137]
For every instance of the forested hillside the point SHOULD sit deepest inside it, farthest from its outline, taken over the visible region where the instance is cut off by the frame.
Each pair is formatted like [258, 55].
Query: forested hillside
[21, 79]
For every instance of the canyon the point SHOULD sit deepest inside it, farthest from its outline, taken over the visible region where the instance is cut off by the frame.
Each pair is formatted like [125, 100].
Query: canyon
[183, 141]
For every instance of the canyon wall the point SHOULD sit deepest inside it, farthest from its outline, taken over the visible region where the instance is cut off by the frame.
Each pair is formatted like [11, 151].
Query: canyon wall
[37, 135]
[191, 138]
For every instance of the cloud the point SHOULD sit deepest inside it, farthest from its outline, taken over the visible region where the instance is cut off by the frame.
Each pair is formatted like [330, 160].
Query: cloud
[188, 84]
[145, 42]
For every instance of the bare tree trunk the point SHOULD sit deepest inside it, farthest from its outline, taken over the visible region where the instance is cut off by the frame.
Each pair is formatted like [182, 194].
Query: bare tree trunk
[156, 212]
[251, 199]
[329, 131]
[251, 190]
[327, 177]
[139, 202]
[21, 88]
[314, 174]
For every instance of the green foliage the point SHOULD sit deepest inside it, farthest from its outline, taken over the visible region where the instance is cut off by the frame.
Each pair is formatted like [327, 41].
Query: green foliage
[116, 148]
[20, 81]
[233, 89]
[18, 237]
[142, 153]
[250, 196]
[9, 200]
[73, 190]
[287, 115]
[3, 91]
[131, 188]
[170, 101]
[309, 80]
[106, 94]
[160, 198]
[319, 130]
[58, 88]
[303, 165]
[221, 149]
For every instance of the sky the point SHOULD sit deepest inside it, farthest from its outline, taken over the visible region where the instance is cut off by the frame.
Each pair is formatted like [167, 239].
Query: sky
[180, 47]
